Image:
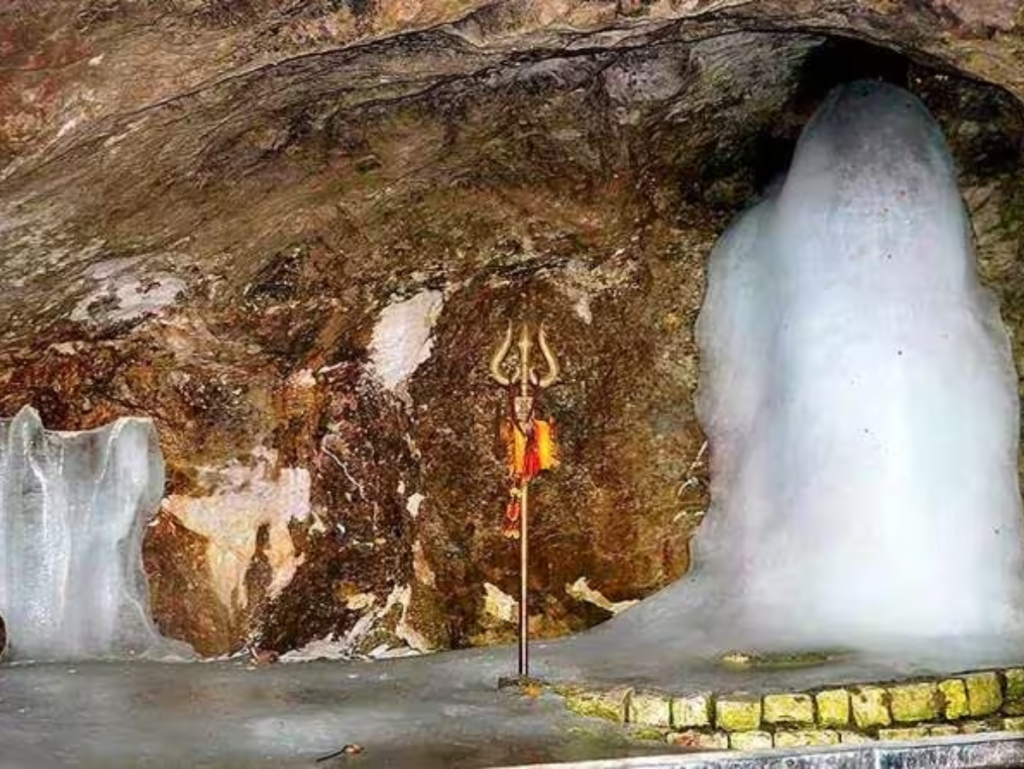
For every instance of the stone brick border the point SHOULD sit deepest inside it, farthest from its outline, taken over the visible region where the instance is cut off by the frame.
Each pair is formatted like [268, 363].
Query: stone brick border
[967, 703]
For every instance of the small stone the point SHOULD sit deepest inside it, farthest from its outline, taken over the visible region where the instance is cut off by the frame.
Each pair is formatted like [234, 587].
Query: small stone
[1014, 724]
[612, 705]
[693, 710]
[984, 694]
[650, 709]
[854, 738]
[943, 730]
[750, 740]
[913, 703]
[736, 660]
[833, 707]
[1013, 704]
[738, 713]
[652, 733]
[702, 740]
[981, 726]
[954, 693]
[788, 709]
[870, 707]
[904, 734]
[806, 738]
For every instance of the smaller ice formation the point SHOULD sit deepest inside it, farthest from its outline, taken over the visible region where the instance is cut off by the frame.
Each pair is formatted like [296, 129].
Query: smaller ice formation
[73, 511]
[861, 402]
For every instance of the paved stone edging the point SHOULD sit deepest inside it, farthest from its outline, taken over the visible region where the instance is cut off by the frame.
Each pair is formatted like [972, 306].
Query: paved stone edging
[951, 753]
[967, 703]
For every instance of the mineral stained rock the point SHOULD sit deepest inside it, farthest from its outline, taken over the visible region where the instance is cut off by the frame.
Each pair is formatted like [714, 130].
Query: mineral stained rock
[290, 233]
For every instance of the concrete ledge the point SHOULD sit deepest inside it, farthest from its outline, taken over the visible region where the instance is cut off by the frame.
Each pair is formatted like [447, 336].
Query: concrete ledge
[949, 753]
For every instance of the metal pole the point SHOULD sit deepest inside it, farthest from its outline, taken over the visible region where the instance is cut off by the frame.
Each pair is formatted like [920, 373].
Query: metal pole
[522, 419]
[524, 610]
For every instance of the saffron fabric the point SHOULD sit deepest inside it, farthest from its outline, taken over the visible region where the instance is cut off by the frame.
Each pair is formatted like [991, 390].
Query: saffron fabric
[529, 454]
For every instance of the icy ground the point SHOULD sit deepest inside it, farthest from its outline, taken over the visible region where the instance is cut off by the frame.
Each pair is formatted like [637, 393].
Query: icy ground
[438, 711]
[441, 711]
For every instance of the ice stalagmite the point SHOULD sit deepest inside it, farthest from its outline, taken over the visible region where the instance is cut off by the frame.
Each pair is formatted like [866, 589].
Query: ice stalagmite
[860, 399]
[73, 508]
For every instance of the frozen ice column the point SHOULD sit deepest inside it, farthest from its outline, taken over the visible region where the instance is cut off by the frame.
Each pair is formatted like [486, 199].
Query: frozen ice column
[861, 400]
[73, 510]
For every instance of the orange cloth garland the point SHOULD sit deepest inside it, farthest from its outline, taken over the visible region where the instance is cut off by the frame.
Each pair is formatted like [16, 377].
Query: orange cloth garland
[529, 454]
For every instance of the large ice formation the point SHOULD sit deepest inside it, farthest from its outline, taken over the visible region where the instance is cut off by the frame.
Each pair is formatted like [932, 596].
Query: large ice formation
[860, 398]
[73, 509]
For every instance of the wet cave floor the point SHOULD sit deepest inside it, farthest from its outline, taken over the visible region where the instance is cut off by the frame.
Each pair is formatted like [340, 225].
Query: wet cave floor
[442, 710]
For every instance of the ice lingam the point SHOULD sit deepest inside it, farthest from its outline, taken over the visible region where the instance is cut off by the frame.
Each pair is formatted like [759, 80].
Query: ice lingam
[73, 509]
[860, 399]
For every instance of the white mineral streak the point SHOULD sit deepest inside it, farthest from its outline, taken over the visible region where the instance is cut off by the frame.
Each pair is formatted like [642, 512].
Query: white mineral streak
[861, 402]
[73, 510]
[582, 283]
[582, 591]
[402, 338]
[243, 498]
[499, 604]
[326, 648]
[413, 504]
[302, 379]
[421, 568]
[372, 619]
[121, 294]
[404, 628]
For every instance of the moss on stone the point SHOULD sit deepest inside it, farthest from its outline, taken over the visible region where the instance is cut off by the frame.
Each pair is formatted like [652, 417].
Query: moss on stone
[903, 734]
[738, 713]
[984, 693]
[913, 703]
[612, 705]
[781, 660]
[1013, 724]
[1013, 695]
[692, 710]
[788, 709]
[943, 730]
[833, 707]
[806, 738]
[854, 738]
[750, 740]
[650, 709]
[736, 660]
[870, 706]
[652, 733]
[981, 726]
[954, 696]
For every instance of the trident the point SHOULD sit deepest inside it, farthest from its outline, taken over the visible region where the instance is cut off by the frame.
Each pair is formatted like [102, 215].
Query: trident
[523, 405]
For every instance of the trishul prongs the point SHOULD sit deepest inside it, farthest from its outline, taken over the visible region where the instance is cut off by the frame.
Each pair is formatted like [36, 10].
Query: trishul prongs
[526, 375]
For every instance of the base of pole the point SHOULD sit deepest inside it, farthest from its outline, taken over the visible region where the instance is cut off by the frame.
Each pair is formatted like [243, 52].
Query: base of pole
[520, 682]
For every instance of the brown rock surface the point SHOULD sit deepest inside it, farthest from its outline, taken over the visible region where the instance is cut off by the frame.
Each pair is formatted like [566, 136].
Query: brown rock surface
[208, 208]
